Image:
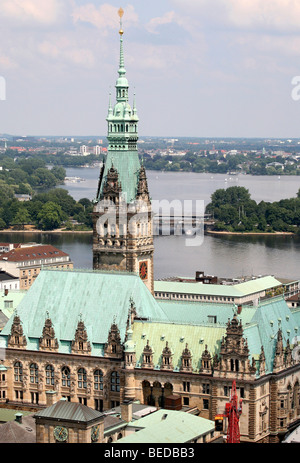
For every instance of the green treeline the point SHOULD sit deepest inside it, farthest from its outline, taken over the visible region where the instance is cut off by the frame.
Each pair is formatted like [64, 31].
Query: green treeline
[235, 211]
[24, 176]
[46, 211]
[218, 163]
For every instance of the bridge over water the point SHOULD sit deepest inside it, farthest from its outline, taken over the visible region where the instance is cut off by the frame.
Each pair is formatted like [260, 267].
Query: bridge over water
[178, 224]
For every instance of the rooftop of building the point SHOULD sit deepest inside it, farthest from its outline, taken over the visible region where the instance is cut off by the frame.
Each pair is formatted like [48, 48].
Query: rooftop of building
[188, 324]
[4, 276]
[99, 299]
[233, 290]
[9, 301]
[167, 426]
[94, 297]
[15, 432]
[29, 253]
[64, 410]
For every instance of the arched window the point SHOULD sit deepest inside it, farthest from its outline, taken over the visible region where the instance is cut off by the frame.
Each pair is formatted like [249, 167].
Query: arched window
[82, 378]
[115, 382]
[34, 373]
[65, 376]
[98, 380]
[234, 365]
[50, 375]
[18, 370]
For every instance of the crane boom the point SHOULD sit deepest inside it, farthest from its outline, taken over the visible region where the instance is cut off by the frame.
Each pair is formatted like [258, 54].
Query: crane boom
[233, 410]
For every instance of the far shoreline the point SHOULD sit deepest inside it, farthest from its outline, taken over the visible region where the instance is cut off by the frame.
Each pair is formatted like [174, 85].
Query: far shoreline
[208, 232]
[212, 232]
[58, 231]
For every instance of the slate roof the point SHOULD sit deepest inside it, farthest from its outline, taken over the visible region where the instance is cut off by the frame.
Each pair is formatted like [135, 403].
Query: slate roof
[69, 411]
[16, 433]
[4, 276]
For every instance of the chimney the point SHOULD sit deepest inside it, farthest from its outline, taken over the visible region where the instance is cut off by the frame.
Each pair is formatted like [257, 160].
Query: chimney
[51, 397]
[18, 418]
[126, 411]
[239, 309]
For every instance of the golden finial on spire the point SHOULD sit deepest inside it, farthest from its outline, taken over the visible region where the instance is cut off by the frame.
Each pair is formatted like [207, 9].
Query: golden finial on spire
[121, 13]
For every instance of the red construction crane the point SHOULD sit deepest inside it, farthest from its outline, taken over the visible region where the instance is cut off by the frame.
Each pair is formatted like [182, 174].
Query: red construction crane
[233, 410]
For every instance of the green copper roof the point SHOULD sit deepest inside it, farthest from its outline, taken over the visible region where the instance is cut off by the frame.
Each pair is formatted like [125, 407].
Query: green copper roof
[128, 166]
[189, 324]
[168, 426]
[269, 317]
[237, 290]
[202, 312]
[98, 299]
[177, 336]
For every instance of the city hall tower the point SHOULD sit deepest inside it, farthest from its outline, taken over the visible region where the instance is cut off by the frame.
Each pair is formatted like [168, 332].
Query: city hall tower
[122, 214]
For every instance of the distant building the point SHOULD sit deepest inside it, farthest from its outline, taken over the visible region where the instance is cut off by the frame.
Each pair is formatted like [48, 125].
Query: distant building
[84, 151]
[26, 261]
[5, 247]
[8, 282]
[23, 197]
[9, 301]
[248, 292]
[294, 301]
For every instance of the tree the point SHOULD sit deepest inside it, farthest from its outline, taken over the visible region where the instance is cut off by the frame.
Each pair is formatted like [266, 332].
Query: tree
[21, 218]
[50, 216]
[43, 178]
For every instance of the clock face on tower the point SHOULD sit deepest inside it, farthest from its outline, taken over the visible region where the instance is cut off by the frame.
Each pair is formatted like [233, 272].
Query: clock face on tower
[60, 433]
[143, 271]
[95, 433]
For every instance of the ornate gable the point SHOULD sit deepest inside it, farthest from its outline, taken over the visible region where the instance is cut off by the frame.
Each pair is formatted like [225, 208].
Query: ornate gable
[112, 187]
[142, 189]
[80, 343]
[278, 363]
[147, 356]
[186, 359]
[167, 354]
[234, 351]
[48, 340]
[206, 361]
[16, 338]
[113, 347]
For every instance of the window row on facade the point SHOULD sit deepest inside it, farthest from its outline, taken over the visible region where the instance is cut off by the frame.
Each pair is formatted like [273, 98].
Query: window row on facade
[65, 378]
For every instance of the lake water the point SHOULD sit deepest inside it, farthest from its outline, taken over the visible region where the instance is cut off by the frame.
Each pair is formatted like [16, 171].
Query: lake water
[224, 256]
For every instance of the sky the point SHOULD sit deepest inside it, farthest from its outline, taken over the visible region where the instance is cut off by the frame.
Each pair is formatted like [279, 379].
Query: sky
[199, 68]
